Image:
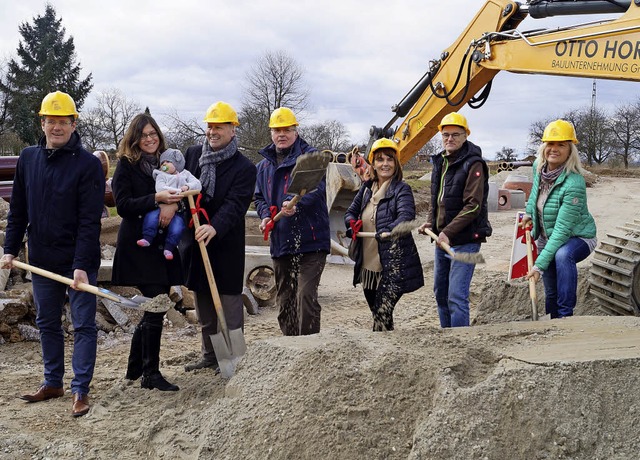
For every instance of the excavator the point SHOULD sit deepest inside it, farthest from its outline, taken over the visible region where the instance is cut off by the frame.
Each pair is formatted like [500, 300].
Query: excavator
[463, 74]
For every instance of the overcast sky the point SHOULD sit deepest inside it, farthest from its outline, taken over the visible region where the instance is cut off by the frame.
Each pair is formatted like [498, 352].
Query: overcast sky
[360, 57]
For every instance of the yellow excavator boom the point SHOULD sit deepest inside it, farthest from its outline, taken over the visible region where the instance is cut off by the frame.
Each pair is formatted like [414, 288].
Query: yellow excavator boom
[491, 42]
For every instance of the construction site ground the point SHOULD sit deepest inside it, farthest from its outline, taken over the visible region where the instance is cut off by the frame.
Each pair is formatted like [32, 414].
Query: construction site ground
[504, 388]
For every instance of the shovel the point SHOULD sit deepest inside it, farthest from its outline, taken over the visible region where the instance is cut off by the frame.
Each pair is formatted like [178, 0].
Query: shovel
[136, 301]
[309, 170]
[229, 346]
[532, 281]
[472, 258]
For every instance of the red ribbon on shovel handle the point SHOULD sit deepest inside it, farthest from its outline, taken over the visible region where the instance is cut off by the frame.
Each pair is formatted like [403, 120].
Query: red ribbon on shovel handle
[355, 225]
[199, 210]
[267, 228]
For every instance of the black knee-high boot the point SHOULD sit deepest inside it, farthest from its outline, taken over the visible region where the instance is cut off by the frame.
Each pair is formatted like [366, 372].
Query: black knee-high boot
[151, 376]
[134, 366]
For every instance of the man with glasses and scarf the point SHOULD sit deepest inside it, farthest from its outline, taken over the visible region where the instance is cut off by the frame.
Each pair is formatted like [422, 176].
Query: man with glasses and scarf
[458, 215]
[300, 241]
[58, 195]
[228, 180]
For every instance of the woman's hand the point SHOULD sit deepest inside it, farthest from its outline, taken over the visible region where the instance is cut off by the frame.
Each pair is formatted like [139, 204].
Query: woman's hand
[205, 233]
[167, 211]
[168, 197]
[534, 273]
[526, 222]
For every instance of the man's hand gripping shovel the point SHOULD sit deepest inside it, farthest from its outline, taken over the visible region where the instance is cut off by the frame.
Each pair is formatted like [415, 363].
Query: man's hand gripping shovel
[228, 345]
[309, 170]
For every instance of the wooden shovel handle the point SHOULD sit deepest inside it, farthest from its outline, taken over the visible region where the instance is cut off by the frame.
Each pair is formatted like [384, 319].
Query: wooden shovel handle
[64, 280]
[372, 234]
[289, 205]
[443, 245]
[217, 303]
[532, 281]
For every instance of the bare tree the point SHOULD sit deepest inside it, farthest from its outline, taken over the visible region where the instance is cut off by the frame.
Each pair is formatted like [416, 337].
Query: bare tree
[91, 129]
[506, 154]
[535, 134]
[594, 133]
[181, 134]
[328, 135]
[115, 112]
[625, 128]
[276, 80]
[253, 132]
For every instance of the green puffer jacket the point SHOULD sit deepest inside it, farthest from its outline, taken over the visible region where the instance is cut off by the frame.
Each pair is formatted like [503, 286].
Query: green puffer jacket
[565, 214]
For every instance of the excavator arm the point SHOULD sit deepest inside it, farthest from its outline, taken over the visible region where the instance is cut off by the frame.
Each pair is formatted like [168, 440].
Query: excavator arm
[463, 73]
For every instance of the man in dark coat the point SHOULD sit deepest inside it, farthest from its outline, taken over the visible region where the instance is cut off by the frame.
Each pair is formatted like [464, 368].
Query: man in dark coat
[228, 180]
[300, 241]
[58, 195]
[459, 216]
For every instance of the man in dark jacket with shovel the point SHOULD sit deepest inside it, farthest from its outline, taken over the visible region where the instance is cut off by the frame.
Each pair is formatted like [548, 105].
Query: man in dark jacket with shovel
[228, 179]
[58, 195]
[300, 241]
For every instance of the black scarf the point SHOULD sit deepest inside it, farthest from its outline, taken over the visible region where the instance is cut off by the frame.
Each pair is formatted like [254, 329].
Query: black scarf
[209, 162]
[148, 163]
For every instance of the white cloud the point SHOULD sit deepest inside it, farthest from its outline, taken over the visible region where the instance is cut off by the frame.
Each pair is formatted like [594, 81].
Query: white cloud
[360, 57]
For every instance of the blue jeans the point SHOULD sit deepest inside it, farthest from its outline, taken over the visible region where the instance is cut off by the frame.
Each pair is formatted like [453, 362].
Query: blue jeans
[451, 282]
[49, 297]
[561, 278]
[174, 229]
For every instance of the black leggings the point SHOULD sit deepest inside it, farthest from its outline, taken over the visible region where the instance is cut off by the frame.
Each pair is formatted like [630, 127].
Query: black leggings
[381, 302]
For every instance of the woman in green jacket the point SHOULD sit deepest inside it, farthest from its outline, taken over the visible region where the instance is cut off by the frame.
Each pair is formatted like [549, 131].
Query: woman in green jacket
[562, 226]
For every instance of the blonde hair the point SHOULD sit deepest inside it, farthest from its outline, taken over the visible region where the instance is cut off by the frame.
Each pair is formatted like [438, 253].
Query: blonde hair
[130, 144]
[572, 165]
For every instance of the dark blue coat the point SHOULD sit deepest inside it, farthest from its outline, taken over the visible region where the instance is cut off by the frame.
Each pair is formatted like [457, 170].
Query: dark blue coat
[307, 230]
[235, 182]
[401, 265]
[58, 198]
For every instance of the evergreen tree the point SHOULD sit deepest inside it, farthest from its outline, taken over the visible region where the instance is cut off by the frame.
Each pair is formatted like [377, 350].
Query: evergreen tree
[47, 62]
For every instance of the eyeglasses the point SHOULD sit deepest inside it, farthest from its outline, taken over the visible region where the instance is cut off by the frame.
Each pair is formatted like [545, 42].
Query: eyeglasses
[151, 135]
[60, 123]
[452, 135]
[290, 129]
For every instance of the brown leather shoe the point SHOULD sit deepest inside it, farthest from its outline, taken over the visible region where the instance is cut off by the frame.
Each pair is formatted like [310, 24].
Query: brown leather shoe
[80, 405]
[44, 392]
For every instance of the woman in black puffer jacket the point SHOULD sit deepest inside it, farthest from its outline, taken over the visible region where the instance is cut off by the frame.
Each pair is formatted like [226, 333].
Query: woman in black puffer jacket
[386, 267]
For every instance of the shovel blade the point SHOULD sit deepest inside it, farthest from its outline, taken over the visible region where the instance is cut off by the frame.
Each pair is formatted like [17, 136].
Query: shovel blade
[228, 354]
[305, 181]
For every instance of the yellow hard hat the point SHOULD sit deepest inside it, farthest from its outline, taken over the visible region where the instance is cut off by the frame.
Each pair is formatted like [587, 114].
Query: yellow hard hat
[559, 130]
[382, 143]
[455, 119]
[282, 117]
[221, 112]
[58, 104]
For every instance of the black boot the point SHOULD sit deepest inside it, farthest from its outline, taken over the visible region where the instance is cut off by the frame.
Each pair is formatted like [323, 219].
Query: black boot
[134, 366]
[151, 376]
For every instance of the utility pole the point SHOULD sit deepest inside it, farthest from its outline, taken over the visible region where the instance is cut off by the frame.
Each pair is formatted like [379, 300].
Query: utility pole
[593, 97]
